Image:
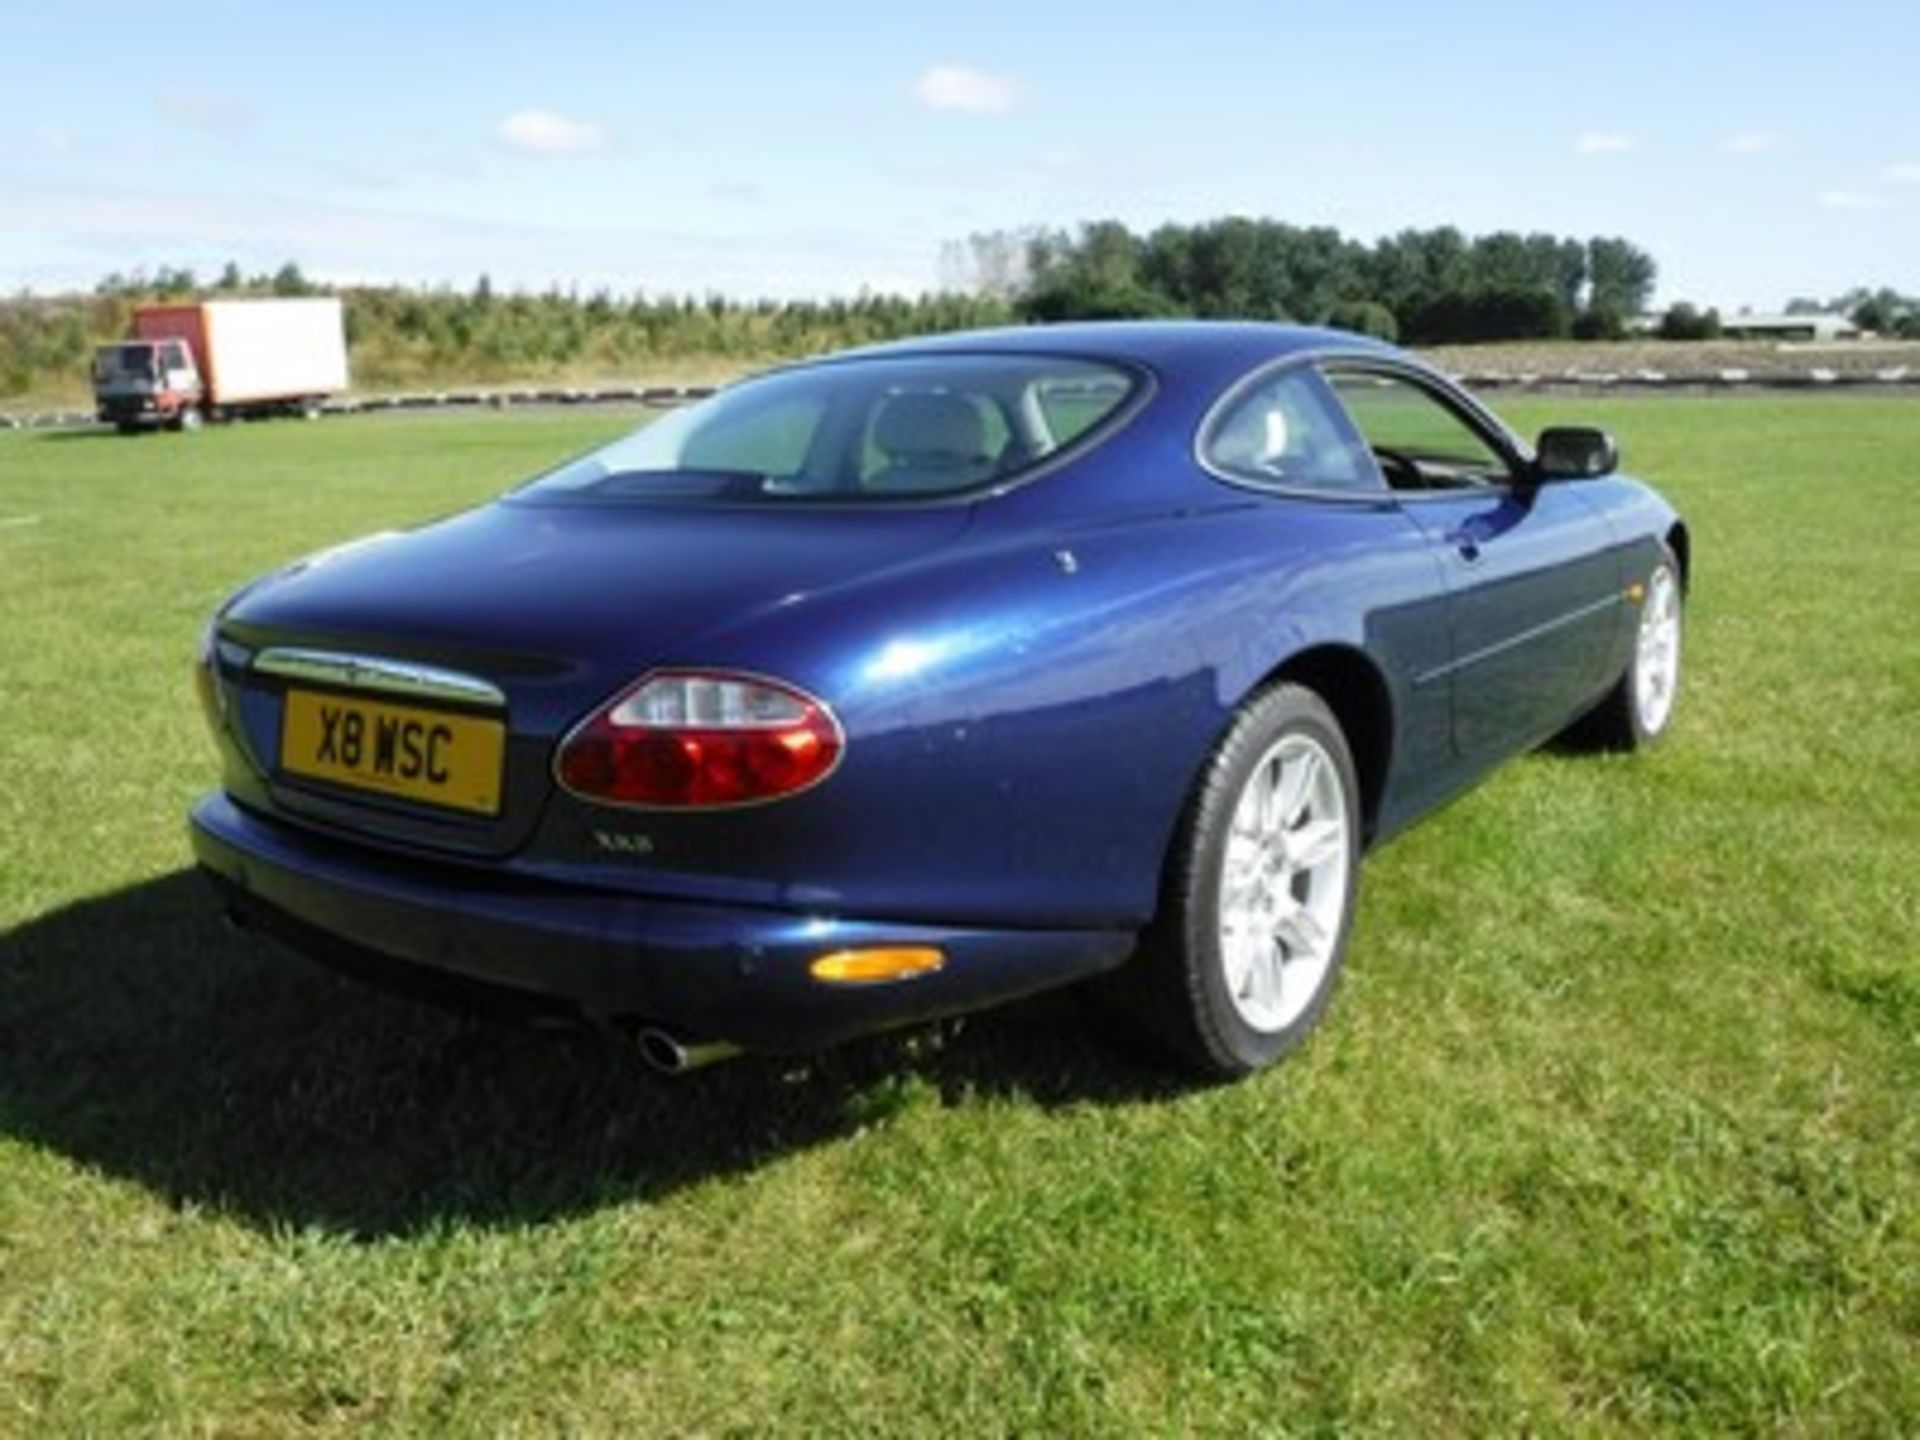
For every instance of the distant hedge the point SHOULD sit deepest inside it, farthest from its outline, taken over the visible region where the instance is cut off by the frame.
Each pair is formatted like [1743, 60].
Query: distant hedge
[400, 336]
[1684, 322]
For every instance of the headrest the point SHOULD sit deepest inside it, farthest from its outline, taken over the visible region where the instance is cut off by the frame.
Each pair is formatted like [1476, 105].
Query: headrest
[1257, 436]
[927, 424]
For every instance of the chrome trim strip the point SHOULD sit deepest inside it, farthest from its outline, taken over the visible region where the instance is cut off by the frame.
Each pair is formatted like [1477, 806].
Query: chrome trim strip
[1525, 637]
[375, 672]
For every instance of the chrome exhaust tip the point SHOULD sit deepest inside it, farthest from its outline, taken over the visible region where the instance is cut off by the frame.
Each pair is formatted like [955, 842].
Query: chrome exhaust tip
[672, 1054]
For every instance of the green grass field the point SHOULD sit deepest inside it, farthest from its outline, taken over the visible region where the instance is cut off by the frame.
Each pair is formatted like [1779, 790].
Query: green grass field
[1615, 1124]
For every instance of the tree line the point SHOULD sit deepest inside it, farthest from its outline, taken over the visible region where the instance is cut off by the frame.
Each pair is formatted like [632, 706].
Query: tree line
[1419, 286]
[1424, 287]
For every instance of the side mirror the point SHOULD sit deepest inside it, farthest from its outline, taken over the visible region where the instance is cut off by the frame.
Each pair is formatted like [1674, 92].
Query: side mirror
[1575, 452]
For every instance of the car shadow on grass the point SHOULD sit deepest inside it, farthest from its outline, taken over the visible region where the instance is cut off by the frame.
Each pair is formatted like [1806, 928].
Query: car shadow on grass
[140, 1036]
[91, 432]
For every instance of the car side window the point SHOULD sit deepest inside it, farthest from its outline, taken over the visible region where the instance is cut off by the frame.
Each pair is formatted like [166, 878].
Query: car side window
[1419, 441]
[1288, 432]
[1068, 407]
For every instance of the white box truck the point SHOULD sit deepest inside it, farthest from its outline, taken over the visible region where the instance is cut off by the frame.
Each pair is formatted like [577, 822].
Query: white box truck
[221, 359]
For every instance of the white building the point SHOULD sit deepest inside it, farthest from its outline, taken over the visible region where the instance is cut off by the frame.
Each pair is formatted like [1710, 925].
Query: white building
[1788, 327]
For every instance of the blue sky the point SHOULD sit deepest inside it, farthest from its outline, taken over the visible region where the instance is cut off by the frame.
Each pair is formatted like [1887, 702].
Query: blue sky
[1758, 150]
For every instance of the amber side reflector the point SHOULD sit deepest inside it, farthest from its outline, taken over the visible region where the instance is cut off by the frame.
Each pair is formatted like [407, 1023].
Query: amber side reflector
[872, 967]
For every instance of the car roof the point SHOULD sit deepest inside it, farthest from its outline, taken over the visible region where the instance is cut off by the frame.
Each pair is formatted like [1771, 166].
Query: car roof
[1158, 344]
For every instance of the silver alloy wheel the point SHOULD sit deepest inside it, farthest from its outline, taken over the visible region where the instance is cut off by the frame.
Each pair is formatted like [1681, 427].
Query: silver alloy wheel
[1656, 664]
[1283, 883]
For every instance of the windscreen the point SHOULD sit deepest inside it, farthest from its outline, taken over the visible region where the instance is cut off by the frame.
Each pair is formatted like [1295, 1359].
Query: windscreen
[884, 429]
[129, 362]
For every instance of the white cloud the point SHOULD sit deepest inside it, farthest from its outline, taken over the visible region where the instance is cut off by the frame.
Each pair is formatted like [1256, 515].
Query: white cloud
[1604, 142]
[961, 87]
[1907, 171]
[56, 139]
[1750, 142]
[1847, 200]
[542, 132]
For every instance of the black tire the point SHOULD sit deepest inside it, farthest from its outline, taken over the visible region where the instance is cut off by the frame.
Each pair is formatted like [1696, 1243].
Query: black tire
[1177, 986]
[1622, 720]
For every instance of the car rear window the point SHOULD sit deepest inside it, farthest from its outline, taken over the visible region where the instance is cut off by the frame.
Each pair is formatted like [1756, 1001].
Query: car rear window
[884, 429]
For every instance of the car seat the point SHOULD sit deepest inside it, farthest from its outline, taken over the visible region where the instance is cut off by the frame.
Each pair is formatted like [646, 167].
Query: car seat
[931, 441]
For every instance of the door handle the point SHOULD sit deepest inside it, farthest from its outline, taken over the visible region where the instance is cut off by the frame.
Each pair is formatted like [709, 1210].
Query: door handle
[1465, 542]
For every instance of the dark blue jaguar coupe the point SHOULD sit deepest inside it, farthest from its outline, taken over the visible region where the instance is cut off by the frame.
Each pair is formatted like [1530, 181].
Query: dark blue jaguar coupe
[909, 680]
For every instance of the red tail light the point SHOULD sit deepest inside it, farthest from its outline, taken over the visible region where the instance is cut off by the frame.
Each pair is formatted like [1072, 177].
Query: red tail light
[688, 739]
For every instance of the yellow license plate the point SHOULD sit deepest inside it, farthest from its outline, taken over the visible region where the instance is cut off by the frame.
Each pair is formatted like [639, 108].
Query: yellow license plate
[425, 755]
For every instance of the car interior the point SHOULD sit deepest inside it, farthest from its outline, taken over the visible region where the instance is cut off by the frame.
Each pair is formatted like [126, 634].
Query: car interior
[902, 440]
[1418, 442]
[931, 441]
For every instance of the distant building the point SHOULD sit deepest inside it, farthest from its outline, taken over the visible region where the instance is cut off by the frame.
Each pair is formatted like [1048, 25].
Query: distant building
[1751, 326]
[1788, 327]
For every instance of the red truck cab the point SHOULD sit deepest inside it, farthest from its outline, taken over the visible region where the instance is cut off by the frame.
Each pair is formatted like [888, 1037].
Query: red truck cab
[141, 383]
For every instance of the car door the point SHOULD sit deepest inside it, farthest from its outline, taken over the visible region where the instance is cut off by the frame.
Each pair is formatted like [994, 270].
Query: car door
[1532, 588]
[1353, 556]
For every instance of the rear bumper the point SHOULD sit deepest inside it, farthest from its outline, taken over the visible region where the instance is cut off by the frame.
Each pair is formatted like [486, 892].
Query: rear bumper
[720, 973]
